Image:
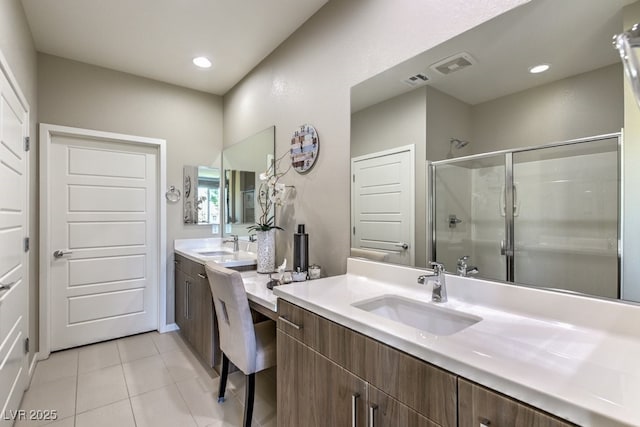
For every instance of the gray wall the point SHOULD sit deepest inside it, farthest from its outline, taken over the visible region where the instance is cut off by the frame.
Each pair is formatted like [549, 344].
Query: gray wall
[18, 49]
[584, 105]
[81, 95]
[447, 117]
[307, 80]
[394, 123]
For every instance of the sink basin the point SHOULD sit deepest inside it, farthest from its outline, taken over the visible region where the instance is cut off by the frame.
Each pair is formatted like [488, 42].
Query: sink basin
[426, 317]
[215, 253]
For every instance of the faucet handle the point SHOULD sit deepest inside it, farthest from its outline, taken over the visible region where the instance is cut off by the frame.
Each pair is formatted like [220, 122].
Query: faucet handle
[462, 261]
[437, 267]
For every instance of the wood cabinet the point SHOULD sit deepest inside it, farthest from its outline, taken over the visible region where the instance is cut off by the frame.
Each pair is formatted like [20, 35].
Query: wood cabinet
[401, 390]
[479, 406]
[194, 311]
[314, 391]
[321, 364]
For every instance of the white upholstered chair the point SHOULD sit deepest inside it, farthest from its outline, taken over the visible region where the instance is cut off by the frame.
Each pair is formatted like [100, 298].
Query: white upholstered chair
[250, 347]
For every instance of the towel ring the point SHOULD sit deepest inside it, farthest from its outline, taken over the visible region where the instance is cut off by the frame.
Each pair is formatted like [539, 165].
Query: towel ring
[173, 195]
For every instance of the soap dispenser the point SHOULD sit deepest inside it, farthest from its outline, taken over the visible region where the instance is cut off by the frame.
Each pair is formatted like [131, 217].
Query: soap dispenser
[300, 250]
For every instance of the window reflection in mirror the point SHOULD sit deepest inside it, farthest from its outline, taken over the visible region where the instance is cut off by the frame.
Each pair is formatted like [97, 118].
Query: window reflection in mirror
[495, 104]
[202, 196]
[243, 163]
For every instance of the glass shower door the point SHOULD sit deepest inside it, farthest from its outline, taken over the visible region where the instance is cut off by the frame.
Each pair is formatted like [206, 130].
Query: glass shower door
[566, 210]
[468, 214]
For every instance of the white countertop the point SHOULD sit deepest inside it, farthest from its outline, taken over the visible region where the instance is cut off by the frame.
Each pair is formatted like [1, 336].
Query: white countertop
[196, 250]
[255, 284]
[575, 357]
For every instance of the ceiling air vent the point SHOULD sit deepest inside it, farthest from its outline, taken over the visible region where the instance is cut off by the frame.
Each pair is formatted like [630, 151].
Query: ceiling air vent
[453, 63]
[416, 79]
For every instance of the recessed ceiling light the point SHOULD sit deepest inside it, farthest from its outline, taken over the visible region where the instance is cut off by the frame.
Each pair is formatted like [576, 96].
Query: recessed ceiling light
[539, 68]
[202, 62]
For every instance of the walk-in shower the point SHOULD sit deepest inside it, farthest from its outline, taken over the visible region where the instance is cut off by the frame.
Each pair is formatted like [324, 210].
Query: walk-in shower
[544, 216]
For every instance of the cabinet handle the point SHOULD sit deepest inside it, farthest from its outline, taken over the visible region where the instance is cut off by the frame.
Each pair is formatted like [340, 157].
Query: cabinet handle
[289, 322]
[484, 422]
[354, 409]
[202, 276]
[176, 261]
[6, 287]
[187, 315]
[372, 415]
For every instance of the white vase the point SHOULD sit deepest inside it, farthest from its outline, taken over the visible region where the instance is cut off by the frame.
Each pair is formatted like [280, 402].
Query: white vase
[266, 256]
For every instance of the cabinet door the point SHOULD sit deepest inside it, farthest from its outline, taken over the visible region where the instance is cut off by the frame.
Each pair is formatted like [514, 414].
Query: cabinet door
[385, 411]
[205, 334]
[479, 406]
[181, 301]
[315, 392]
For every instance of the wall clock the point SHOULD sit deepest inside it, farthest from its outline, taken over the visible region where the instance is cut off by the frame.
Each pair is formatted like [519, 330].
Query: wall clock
[305, 146]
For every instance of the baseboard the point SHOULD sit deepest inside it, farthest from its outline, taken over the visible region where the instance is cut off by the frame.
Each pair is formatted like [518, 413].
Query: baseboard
[169, 328]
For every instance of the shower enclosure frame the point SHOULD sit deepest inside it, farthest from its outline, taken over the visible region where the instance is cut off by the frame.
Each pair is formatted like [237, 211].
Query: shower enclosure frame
[508, 249]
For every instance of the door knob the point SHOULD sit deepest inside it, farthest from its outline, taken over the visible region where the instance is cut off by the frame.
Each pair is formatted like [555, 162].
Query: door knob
[60, 253]
[402, 245]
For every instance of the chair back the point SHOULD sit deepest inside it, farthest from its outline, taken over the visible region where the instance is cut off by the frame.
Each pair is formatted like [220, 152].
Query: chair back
[235, 325]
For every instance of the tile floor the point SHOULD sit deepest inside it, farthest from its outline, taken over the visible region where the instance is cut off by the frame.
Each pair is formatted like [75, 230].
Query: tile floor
[145, 380]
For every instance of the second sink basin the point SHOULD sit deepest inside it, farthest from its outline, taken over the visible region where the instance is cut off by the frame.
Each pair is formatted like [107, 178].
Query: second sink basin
[426, 317]
[215, 253]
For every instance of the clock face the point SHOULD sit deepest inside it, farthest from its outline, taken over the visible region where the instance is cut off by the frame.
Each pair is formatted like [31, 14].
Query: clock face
[305, 146]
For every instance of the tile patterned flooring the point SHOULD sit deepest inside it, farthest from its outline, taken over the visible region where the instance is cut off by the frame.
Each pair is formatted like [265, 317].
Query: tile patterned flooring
[144, 380]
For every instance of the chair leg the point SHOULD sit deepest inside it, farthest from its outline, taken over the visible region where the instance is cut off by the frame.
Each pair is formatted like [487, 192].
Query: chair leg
[248, 399]
[223, 378]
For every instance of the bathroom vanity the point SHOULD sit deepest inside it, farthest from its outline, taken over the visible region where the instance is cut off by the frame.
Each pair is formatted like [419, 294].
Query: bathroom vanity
[529, 357]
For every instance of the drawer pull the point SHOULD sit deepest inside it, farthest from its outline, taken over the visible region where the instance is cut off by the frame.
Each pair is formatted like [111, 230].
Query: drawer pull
[372, 415]
[484, 422]
[6, 287]
[354, 409]
[202, 276]
[290, 323]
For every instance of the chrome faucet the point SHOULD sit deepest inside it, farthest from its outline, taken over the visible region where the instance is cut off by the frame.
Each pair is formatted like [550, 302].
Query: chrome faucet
[463, 269]
[439, 293]
[236, 246]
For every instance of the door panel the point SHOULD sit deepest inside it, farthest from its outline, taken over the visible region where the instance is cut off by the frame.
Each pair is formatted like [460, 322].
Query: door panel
[104, 218]
[383, 204]
[14, 295]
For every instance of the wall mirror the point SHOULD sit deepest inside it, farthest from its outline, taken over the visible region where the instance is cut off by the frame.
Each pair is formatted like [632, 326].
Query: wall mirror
[201, 192]
[243, 163]
[475, 96]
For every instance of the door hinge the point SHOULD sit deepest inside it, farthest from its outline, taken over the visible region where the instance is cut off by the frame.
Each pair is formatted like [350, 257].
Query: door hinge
[26, 244]
[26, 143]
[354, 230]
[354, 177]
[26, 345]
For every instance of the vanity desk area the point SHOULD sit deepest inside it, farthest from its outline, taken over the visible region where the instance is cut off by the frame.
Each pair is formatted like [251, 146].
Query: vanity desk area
[193, 301]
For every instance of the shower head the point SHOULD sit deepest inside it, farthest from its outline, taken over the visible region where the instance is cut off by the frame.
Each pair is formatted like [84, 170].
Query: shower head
[458, 143]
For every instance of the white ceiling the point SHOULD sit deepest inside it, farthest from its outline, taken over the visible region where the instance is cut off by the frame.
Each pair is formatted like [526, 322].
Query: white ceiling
[159, 38]
[574, 36]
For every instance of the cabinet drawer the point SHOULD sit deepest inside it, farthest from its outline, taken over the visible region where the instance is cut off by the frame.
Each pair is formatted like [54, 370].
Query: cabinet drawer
[427, 389]
[478, 404]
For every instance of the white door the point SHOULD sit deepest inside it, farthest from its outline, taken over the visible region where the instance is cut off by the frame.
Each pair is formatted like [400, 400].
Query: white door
[14, 290]
[103, 239]
[383, 203]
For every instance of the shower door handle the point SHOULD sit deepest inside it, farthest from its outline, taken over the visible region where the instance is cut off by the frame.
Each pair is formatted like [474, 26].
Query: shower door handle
[504, 249]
